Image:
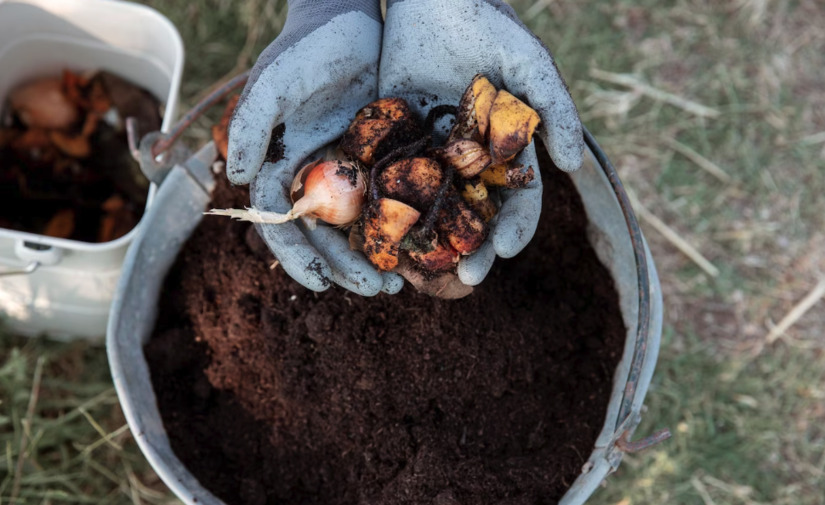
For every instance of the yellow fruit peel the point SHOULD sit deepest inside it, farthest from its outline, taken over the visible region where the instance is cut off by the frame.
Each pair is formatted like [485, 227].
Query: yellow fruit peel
[512, 124]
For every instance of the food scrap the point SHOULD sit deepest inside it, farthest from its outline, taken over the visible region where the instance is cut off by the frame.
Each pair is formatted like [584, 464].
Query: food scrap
[410, 207]
[65, 166]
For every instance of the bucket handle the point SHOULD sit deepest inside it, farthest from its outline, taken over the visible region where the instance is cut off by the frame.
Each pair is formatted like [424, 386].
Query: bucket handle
[158, 152]
[627, 420]
[30, 268]
[36, 255]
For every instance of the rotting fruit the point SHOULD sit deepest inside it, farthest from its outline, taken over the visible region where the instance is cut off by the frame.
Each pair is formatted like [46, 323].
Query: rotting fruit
[411, 207]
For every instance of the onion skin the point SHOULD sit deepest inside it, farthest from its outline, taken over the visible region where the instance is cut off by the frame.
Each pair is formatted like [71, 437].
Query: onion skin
[467, 157]
[42, 104]
[296, 192]
[334, 192]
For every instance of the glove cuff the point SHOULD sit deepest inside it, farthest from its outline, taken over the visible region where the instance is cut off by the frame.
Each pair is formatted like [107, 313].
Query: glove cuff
[319, 12]
[306, 16]
[501, 6]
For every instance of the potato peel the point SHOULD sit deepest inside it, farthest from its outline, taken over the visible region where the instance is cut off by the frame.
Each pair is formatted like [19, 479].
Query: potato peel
[461, 227]
[385, 121]
[443, 257]
[386, 221]
[485, 94]
[504, 175]
[474, 110]
[414, 181]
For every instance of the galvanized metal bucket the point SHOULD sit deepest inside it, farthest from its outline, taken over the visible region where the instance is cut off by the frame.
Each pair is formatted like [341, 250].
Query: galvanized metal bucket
[177, 210]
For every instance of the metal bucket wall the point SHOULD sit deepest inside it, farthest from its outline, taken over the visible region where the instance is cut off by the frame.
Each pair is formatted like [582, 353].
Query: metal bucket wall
[176, 212]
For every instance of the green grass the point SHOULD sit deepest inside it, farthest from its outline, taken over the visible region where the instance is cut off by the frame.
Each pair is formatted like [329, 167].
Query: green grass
[748, 428]
[745, 430]
[64, 439]
[221, 38]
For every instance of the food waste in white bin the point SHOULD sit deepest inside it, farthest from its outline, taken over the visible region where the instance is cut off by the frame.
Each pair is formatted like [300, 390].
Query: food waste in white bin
[62, 285]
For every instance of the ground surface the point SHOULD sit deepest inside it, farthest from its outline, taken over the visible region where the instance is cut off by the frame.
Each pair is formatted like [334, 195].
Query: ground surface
[718, 127]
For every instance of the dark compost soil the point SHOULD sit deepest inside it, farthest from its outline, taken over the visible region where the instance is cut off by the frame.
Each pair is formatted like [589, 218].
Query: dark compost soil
[271, 393]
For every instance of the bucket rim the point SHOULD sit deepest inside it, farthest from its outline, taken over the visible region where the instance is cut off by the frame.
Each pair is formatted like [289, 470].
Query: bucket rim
[624, 420]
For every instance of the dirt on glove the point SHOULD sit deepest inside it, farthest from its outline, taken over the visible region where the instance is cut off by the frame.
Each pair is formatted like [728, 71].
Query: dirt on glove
[272, 393]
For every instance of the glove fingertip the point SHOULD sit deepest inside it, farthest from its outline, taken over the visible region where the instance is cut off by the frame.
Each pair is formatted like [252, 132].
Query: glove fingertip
[560, 128]
[510, 242]
[350, 269]
[239, 177]
[299, 259]
[363, 285]
[474, 268]
[392, 283]
[350, 274]
[250, 130]
[567, 152]
[514, 231]
[315, 275]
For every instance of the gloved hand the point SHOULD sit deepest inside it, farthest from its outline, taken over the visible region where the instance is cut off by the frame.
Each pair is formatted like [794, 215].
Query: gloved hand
[313, 78]
[431, 51]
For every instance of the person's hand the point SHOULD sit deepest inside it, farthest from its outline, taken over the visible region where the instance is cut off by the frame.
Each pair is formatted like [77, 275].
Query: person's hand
[431, 51]
[313, 78]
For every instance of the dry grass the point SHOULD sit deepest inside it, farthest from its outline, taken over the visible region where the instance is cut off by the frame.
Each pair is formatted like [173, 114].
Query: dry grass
[743, 188]
[714, 113]
[64, 439]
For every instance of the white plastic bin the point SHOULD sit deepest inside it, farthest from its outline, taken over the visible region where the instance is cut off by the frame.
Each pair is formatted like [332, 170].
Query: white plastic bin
[69, 292]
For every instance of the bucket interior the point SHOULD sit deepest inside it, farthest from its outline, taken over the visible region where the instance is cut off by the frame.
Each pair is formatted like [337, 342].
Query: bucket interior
[47, 55]
[127, 335]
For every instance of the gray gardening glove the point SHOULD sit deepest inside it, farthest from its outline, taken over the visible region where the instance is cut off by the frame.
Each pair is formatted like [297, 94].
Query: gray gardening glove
[313, 78]
[431, 51]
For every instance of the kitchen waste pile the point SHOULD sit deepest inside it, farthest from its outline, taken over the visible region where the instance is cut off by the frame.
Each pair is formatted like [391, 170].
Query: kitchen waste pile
[65, 166]
[410, 207]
